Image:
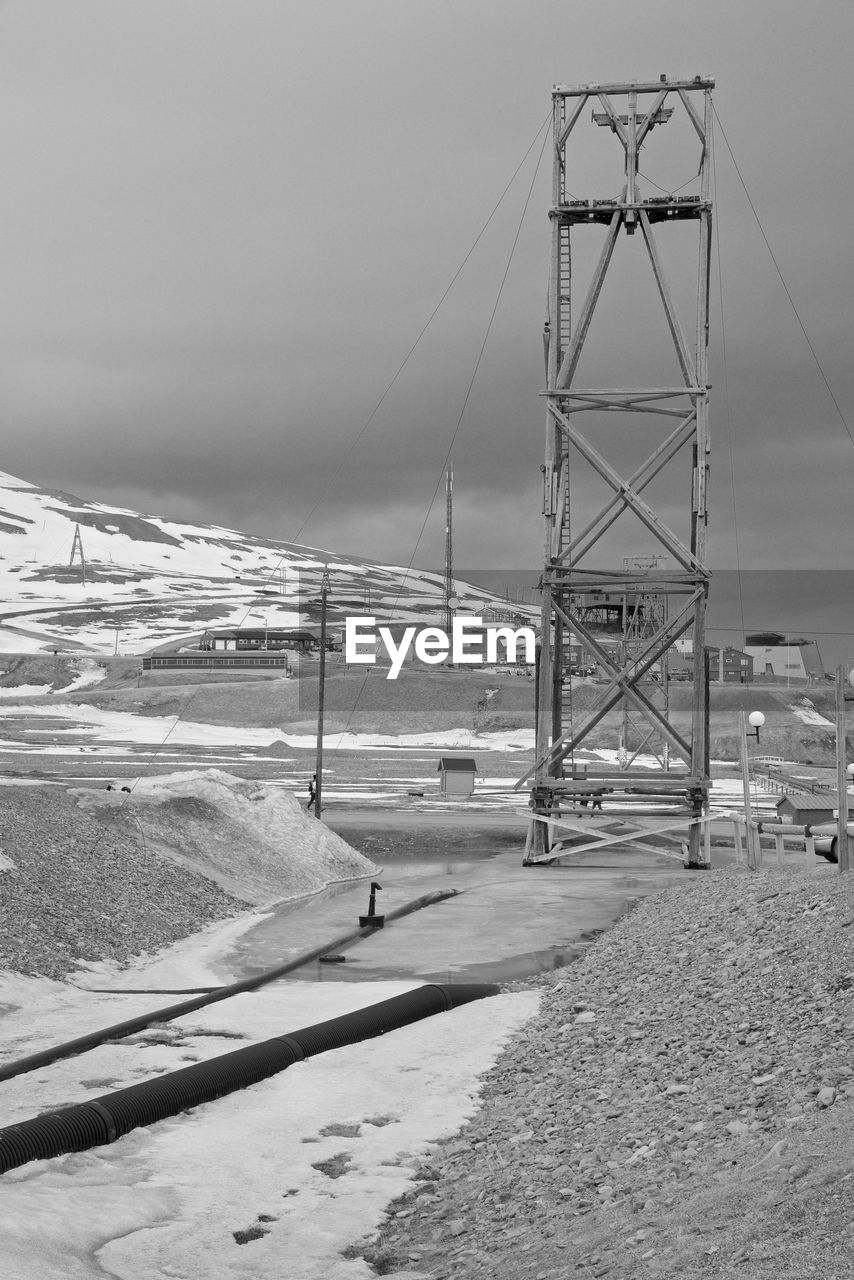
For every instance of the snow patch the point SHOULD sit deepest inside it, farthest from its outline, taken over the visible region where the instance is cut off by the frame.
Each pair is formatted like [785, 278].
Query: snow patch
[254, 840]
[806, 712]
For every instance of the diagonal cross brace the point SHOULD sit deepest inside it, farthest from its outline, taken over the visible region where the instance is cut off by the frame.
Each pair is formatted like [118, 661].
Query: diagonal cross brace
[570, 123]
[585, 315]
[619, 127]
[686, 364]
[652, 650]
[685, 432]
[623, 685]
[629, 496]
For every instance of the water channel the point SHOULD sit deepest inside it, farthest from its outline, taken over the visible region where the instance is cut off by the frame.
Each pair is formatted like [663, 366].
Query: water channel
[506, 921]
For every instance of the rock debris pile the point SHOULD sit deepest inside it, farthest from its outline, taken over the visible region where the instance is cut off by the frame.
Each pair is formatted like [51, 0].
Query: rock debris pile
[681, 1104]
[71, 890]
[88, 874]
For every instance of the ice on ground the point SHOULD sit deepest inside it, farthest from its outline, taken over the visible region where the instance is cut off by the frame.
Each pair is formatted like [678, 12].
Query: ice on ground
[124, 726]
[806, 712]
[170, 1199]
[90, 672]
[255, 840]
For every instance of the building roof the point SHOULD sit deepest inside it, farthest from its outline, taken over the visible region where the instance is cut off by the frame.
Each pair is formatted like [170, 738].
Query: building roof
[259, 633]
[731, 649]
[457, 764]
[821, 802]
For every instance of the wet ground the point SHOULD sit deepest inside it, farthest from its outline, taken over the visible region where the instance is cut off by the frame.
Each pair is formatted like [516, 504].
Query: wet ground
[506, 921]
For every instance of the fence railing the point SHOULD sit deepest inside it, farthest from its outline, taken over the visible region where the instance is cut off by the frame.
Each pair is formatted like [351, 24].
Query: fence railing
[748, 843]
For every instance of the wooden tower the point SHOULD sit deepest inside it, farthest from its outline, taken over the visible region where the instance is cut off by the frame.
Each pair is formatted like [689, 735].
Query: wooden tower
[576, 567]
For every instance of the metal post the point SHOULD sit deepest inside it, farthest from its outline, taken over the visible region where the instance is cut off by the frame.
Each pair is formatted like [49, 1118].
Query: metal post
[321, 682]
[843, 846]
[751, 836]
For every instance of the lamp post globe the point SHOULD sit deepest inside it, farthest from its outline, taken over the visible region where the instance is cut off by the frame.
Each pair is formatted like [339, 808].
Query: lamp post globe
[756, 719]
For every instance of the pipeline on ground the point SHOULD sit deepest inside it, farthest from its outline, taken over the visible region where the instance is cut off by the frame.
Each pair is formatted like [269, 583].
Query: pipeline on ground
[112, 1115]
[121, 1029]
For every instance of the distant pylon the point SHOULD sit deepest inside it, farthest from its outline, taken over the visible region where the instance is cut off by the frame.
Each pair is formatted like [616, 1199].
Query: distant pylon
[77, 545]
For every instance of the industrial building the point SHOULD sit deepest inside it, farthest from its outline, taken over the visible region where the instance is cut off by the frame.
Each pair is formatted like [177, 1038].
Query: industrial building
[779, 657]
[247, 639]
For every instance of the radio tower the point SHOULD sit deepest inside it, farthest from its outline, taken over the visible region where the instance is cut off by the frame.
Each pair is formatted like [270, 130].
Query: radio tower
[447, 610]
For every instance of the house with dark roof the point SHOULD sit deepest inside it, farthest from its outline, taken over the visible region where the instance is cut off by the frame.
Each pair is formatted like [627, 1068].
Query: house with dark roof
[456, 775]
[802, 808]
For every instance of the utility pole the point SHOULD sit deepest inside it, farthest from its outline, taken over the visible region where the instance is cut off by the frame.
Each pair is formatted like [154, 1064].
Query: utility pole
[447, 609]
[321, 690]
[751, 835]
[843, 843]
[679, 408]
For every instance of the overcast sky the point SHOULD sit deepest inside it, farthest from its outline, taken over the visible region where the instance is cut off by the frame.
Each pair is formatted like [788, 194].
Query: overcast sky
[225, 223]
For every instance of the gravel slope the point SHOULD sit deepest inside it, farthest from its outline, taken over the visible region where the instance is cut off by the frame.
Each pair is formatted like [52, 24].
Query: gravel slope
[88, 874]
[71, 890]
[681, 1105]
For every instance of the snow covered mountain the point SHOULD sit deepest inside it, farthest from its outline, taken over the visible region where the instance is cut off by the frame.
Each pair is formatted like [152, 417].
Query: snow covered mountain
[83, 575]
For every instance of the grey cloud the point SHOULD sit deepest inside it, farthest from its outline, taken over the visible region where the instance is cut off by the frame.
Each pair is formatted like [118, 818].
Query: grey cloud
[226, 224]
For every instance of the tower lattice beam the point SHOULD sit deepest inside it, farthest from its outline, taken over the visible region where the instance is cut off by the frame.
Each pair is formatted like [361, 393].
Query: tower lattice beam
[574, 576]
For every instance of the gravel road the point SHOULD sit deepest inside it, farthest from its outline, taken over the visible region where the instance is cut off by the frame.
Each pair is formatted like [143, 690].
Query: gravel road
[681, 1105]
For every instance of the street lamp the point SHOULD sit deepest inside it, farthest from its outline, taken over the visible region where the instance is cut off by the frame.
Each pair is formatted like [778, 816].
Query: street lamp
[756, 720]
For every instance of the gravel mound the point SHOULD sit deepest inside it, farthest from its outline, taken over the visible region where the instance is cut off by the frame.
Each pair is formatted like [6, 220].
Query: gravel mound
[255, 840]
[681, 1105]
[71, 890]
[89, 874]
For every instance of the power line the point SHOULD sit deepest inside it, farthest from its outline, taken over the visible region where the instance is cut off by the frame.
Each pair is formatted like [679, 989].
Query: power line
[466, 399]
[818, 365]
[345, 456]
[153, 755]
[726, 387]
[477, 363]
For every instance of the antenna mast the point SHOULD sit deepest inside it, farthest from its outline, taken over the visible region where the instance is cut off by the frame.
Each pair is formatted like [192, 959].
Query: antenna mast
[447, 610]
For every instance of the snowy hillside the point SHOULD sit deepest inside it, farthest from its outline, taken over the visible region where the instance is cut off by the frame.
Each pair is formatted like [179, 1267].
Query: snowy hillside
[142, 581]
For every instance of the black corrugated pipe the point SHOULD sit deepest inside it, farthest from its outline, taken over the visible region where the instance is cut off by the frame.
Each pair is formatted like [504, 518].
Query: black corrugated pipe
[104, 1119]
[127, 1028]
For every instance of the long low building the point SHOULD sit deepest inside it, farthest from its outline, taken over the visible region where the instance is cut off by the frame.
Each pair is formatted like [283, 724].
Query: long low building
[252, 639]
[219, 661]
